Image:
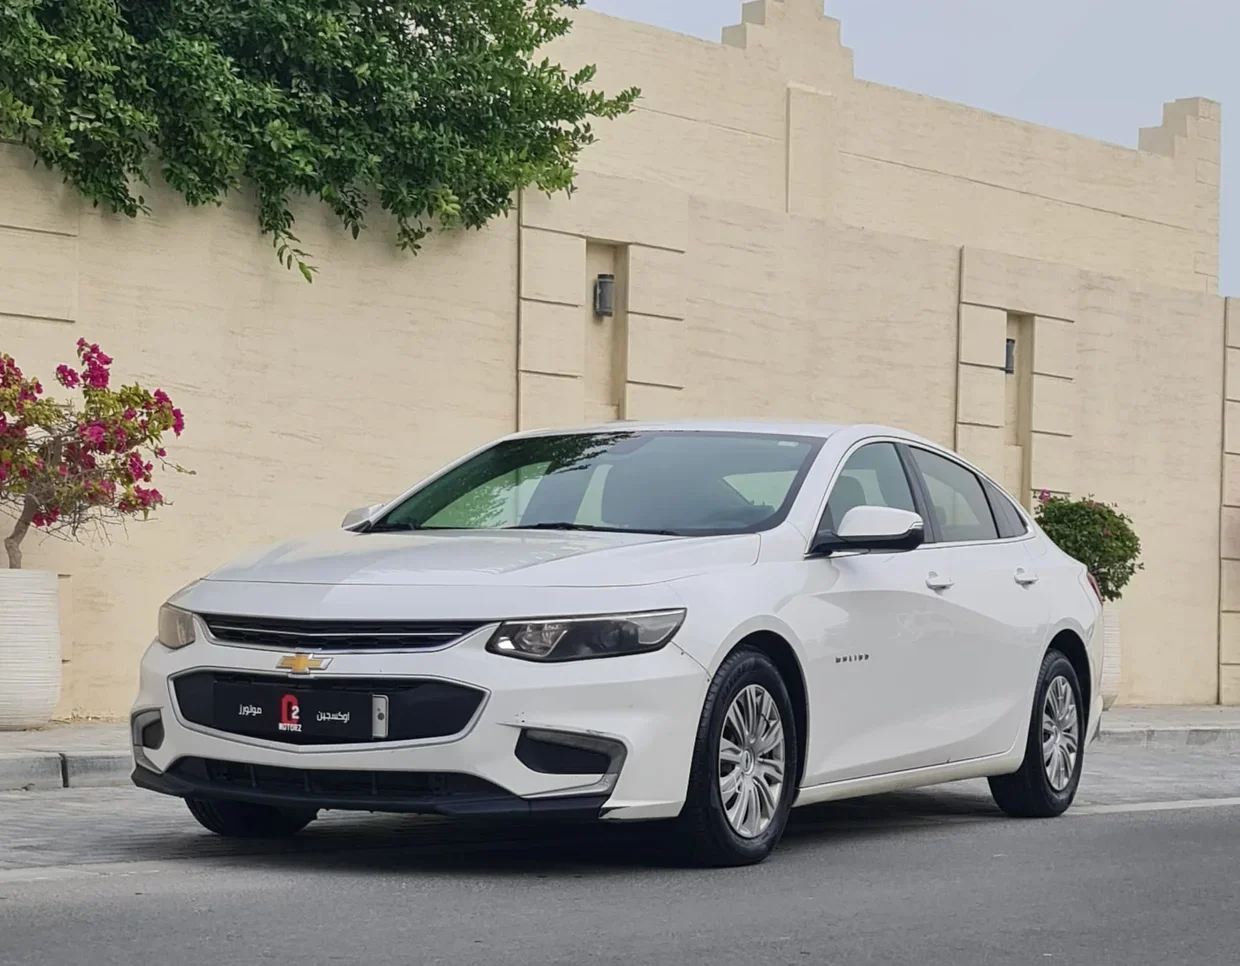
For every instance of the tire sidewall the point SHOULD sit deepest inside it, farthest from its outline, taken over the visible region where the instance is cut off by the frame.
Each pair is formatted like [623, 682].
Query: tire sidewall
[739, 672]
[1057, 666]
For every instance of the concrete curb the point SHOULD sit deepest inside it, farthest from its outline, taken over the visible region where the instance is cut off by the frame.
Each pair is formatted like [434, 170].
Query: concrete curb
[97, 769]
[38, 771]
[48, 770]
[1186, 736]
[33, 771]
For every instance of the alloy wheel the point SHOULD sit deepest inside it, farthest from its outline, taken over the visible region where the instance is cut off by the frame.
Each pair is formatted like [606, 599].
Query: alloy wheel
[1060, 733]
[752, 756]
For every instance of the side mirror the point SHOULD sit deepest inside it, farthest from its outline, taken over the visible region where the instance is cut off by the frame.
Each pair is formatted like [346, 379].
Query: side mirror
[876, 528]
[360, 515]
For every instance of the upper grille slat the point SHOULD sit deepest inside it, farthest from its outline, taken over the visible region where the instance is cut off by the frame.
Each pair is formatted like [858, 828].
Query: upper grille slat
[331, 635]
[218, 629]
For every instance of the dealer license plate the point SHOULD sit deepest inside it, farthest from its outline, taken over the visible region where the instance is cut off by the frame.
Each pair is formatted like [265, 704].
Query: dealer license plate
[290, 714]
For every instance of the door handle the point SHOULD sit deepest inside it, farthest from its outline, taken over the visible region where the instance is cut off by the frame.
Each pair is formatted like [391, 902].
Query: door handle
[1024, 577]
[939, 582]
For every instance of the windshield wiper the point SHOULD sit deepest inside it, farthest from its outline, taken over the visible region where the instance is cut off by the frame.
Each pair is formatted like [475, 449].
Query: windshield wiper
[588, 528]
[398, 528]
[584, 527]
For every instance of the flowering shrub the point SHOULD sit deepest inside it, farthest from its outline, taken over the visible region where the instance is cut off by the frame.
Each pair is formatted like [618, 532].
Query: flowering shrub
[65, 465]
[1096, 534]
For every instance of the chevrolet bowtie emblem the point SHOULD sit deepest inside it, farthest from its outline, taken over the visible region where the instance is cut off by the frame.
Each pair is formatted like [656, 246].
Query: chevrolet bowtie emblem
[303, 663]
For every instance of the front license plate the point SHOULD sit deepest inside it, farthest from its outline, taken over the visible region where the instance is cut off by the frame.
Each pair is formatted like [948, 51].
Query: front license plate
[290, 714]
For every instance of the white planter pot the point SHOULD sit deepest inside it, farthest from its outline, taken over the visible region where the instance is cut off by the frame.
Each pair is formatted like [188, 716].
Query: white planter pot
[1110, 655]
[29, 648]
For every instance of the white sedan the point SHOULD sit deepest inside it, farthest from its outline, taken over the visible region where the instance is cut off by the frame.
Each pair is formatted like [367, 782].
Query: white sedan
[704, 623]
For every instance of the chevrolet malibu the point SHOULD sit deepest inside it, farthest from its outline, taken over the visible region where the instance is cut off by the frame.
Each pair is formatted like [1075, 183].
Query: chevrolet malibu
[701, 623]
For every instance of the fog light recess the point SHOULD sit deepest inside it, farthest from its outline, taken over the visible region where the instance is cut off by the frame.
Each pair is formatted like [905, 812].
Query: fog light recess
[146, 729]
[564, 753]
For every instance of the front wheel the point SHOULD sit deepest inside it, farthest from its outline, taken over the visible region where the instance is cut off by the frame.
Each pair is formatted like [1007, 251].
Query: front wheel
[241, 820]
[1055, 750]
[744, 774]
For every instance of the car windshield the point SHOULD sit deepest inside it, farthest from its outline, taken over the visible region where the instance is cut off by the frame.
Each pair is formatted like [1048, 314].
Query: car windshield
[680, 483]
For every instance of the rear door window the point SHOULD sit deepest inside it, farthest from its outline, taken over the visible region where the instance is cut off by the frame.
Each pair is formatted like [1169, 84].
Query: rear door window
[957, 499]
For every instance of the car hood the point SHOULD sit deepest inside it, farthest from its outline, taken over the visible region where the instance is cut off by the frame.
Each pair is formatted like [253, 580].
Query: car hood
[513, 558]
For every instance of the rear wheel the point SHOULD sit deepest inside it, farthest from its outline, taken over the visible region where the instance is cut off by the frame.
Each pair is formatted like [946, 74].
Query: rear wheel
[744, 774]
[1054, 752]
[240, 820]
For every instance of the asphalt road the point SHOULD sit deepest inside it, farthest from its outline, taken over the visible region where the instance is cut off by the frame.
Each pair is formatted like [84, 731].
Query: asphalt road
[1142, 871]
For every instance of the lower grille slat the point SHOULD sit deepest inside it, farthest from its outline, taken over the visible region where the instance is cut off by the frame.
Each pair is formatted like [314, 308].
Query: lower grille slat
[329, 782]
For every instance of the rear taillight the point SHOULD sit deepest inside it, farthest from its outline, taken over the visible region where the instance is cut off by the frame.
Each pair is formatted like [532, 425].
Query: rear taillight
[1094, 584]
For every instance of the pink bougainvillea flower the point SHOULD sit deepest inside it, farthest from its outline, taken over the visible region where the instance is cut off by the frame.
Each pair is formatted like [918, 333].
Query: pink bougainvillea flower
[96, 377]
[45, 518]
[95, 364]
[94, 433]
[68, 377]
[147, 499]
[178, 422]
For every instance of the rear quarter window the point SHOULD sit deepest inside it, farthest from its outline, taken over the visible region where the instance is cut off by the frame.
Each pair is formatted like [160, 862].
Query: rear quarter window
[1007, 517]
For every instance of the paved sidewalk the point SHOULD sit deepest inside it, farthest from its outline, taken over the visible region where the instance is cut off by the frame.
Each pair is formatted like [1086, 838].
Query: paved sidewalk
[1172, 727]
[60, 756]
[82, 755]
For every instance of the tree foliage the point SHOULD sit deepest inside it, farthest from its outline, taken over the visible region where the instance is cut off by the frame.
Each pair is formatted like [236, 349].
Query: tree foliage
[1096, 534]
[439, 110]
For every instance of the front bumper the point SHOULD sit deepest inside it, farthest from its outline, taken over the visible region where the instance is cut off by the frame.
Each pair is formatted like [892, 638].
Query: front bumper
[418, 793]
[644, 706]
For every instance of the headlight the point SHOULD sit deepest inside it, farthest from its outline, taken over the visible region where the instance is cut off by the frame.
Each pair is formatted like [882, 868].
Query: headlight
[579, 638]
[176, 627]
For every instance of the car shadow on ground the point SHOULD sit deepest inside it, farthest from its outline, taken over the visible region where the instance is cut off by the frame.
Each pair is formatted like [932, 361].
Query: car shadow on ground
[349, 842]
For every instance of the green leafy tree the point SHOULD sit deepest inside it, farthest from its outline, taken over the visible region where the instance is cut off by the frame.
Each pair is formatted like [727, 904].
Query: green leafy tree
[1096, 534]
[438, 110]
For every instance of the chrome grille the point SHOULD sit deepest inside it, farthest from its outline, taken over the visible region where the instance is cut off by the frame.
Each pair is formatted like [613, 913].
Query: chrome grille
[336, 635]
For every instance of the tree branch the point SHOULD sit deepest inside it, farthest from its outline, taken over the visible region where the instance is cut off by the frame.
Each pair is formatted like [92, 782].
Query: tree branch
[13, 542]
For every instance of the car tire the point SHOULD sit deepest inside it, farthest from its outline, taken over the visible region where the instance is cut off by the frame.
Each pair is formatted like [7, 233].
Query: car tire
[1050, 774]
[241, 820]
[716, 827]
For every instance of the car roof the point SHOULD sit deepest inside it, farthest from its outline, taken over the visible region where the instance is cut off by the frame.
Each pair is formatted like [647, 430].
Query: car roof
[782, 427]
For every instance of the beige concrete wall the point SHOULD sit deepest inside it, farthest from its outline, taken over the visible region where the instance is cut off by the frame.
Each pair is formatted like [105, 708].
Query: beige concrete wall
[787, 241]
[1125, 405]
[777, 105]
[302, 400]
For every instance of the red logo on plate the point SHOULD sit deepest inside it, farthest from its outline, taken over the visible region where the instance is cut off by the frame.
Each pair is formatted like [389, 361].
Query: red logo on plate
[290, 713]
